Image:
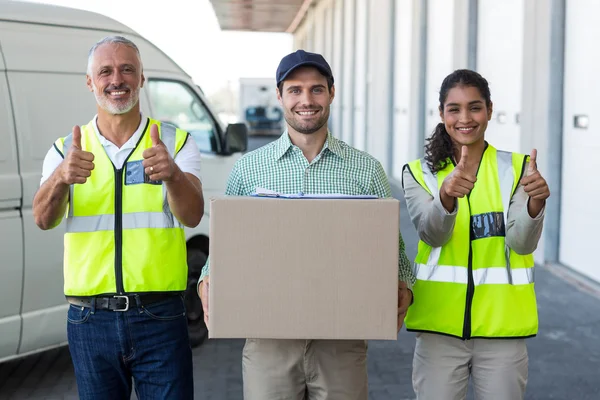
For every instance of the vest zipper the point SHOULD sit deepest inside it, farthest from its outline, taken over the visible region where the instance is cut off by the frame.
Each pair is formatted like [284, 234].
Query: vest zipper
[119, 230]
[470, 284]
[470, 280]
[119, 215]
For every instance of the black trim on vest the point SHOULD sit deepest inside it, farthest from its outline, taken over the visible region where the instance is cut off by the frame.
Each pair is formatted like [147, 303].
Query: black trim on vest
[504, 337]
[470, 280]
[472, 337]
[470, 292]
[119, 216]
[175, 151]
[119, 228]
[59, 152]
[406, 166]
[434, 332]
[521, 175]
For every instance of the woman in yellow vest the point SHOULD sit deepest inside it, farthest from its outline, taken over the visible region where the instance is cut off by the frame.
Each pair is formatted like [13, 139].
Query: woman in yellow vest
[479, 214]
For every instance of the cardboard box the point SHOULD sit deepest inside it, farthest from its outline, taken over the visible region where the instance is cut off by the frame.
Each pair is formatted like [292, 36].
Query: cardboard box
[303, 269]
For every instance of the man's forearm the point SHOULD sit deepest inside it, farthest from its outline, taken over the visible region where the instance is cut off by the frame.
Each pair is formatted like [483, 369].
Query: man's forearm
[50, 202]
[185, 198]
[405, 271]
[205, 270]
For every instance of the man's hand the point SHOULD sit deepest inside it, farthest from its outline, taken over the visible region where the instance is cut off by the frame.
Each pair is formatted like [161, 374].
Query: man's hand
[535, 186]
[158, 163]
[78, 164]
[458, 184]
[203, 291]
[404, 300]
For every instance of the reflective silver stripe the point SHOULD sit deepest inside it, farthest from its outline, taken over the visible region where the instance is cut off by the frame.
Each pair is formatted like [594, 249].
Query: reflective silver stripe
[441, 273]
[91, 223]
[482, 276]
[67, 143]
[168, 135]
[506, 179]
[429, 178]
[434, 256]
[499, 275]
[106, 222]
[431, 182]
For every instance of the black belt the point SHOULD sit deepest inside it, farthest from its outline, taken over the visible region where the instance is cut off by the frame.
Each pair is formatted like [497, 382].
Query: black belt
[119, 302]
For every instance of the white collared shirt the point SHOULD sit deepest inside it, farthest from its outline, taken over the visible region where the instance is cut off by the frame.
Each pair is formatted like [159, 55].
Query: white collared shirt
[187, 159]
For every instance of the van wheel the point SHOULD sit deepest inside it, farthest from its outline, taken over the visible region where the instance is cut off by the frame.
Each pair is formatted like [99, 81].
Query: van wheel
[197, 329]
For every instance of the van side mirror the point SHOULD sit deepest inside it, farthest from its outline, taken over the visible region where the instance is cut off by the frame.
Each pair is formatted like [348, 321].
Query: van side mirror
[236, 138]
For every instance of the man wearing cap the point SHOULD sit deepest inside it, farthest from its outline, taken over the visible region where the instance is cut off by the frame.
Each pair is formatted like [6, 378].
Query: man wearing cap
[308, 159]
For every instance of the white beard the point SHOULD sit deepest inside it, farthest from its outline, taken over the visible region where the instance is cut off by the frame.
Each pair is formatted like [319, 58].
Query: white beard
[116, 108]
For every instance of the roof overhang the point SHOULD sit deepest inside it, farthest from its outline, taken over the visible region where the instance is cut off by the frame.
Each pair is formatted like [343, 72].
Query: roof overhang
[260, 15]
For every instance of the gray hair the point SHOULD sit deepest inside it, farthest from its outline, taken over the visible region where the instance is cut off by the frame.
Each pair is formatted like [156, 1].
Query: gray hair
[111, 40]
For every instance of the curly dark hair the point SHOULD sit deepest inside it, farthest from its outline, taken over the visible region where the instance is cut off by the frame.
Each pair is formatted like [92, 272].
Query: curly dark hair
[439, 147]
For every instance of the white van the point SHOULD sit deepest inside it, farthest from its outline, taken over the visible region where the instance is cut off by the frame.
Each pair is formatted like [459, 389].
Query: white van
[43, 57]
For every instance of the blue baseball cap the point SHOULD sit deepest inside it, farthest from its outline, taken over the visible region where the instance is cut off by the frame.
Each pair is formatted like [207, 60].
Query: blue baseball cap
[301, 58]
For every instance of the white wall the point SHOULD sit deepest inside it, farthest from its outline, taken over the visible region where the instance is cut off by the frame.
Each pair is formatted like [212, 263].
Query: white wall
[403, 40]
[319, 29]
[580, 214]
[500, 61]
[345, 94]
[360, 71]
[380, 75]
[328, 27]
[517, 45]
[440, 56]
[337, 66]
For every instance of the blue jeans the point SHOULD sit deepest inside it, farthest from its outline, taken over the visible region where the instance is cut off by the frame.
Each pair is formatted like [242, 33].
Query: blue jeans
[147, 343]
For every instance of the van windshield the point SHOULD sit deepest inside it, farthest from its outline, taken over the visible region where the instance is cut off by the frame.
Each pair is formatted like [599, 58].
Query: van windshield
[176, 103]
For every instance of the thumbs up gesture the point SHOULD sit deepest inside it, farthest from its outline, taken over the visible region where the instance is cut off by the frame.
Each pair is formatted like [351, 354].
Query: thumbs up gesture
[78, 164]
[534, 183]
[460, 182]
[158, 163]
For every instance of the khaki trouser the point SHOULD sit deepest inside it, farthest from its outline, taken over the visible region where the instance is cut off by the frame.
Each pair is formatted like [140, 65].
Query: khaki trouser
[442, 366]
[305, 369]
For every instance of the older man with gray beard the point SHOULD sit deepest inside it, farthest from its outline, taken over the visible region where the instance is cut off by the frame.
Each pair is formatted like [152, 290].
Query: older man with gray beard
[127, 185]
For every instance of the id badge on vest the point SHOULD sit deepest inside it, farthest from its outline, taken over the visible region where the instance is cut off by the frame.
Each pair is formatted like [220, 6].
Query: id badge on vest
[134, 174]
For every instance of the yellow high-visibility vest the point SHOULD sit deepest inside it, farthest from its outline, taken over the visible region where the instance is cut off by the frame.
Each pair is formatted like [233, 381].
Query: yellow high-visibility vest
[474, 286]
[121, 236]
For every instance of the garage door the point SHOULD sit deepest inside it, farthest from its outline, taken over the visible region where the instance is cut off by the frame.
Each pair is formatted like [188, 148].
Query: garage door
[500, 61]
[336, 65]
[440, 56]
[580, 214]
[348, 81]
[360, 71]
[402, 83]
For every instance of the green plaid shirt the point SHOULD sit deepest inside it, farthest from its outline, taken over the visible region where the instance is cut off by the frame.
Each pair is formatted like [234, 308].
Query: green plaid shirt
[280, 166]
